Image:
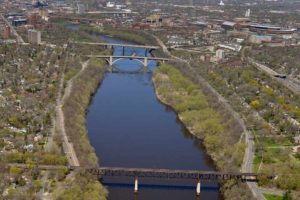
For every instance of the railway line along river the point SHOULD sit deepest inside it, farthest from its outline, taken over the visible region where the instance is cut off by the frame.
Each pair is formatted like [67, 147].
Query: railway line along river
[129, 127]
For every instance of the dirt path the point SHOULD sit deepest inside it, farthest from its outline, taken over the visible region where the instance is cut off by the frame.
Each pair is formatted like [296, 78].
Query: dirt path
[67, 145]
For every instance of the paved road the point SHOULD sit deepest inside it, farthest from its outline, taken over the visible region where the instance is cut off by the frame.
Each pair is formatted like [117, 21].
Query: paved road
[249, 152]
[289, 82]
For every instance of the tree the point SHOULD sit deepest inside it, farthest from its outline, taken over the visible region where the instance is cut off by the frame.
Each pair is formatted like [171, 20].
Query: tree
[37, 185]
[287, 195]
[15, 171]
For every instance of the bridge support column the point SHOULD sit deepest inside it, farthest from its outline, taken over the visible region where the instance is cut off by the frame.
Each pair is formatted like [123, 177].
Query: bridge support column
[145, 62]
[136, 187]
[198, 188]
[110, 60]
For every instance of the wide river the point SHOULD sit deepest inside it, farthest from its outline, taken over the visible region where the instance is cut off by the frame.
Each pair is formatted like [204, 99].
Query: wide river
[129, 127]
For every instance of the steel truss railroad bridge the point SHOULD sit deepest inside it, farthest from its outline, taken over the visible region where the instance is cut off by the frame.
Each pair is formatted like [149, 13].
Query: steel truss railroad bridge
[173, 174]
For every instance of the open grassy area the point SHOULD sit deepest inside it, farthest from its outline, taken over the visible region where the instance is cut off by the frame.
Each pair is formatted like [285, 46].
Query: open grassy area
[272, 197]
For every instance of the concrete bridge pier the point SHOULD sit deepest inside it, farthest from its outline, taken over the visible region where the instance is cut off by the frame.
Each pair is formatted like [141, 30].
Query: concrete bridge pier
[110, 62]
[136, 185]
[145, 63]
[123, 51]
[198, 188]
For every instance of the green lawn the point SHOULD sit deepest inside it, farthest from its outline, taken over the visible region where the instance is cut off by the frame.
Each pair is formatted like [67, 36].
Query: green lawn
[256, 163]
[272, 197]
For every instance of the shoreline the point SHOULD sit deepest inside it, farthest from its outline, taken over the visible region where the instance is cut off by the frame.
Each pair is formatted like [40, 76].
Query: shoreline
[188, 128]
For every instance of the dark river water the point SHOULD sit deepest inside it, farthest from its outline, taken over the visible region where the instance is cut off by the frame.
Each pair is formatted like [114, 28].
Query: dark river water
[129, 127]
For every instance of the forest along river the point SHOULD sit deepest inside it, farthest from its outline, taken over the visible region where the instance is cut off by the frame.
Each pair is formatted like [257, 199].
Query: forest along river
[129, 127]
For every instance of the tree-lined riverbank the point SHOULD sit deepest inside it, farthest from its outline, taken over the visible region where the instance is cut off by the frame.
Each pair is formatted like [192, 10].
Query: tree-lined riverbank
[82, 185]
[203, 121]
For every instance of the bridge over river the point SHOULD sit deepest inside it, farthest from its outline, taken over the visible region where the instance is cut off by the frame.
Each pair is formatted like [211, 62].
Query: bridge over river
[136, 173]
[175, 174]
[144, 60]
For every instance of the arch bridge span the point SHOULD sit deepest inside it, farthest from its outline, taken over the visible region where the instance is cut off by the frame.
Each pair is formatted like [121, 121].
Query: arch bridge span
[111, 60]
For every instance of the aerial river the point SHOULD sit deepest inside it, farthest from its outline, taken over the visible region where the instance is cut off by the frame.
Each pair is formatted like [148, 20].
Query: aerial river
[129, 127]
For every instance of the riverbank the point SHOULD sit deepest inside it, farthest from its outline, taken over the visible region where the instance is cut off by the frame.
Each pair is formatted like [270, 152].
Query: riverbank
[74, 109]
[204, 122]
[193, 109]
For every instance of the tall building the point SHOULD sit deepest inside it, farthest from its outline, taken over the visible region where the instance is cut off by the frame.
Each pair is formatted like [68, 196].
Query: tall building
[34, 36]
[6, 32]
[44, 14]
[80, 8]
[247, 13]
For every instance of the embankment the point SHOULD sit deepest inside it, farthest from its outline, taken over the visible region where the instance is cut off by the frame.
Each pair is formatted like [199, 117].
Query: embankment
[83, 185]
[215, 127]
[74, 108]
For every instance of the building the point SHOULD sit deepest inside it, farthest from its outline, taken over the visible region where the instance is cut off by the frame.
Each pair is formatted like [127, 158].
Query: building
[220, 54]
[6, 32]
[19, 22]
[231, 46]
[154, 20]
[297, 139]
[34, 19]
[44, 14]
[110, 4]
[269, 29]
[247, 14]
[177, 40]
[80, 8]
[228, 25]
[259, 39]
[34, 36]
[140, 26]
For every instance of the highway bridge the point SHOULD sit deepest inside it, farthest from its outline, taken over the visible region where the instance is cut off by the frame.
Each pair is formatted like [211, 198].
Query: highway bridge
[111, 60]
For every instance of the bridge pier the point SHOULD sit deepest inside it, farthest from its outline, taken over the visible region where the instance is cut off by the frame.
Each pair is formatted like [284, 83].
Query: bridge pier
[145, 63]
[136, 185]
[198, 188]
[110, 60]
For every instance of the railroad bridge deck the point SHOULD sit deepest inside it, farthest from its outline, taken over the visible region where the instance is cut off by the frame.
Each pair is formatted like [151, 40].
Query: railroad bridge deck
[175, 174]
